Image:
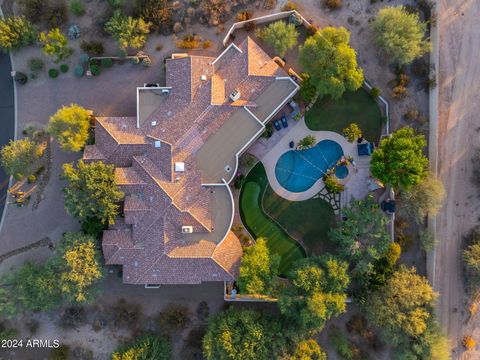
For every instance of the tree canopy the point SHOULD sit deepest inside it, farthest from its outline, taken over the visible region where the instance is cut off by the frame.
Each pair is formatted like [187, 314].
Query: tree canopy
[258, 269]
[362, 238]
[145, 347]
[70, 126]
[281, 35]
[91, 192]
[399, 160]
[157, 12]
[130, 33]
[15, 32]
[423, 199]
[307, 350]
[55, 45]
[331, 62]
[401, 34]
[18, 158]
[317, 292]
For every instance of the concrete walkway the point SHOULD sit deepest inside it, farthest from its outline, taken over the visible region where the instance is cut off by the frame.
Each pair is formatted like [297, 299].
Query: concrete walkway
[276, 146]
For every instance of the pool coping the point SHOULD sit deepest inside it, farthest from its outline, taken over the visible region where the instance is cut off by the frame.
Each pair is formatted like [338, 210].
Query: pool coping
[299, 131]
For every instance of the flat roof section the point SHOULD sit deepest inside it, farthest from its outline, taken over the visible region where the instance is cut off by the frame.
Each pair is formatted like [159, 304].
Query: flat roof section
[220, 149]
[149, 100]
[272, 97]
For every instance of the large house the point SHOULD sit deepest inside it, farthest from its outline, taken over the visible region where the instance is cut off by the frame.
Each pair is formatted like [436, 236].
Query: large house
[175, 159]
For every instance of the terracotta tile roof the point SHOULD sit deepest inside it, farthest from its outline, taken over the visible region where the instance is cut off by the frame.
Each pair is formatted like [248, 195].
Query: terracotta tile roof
[175, 229]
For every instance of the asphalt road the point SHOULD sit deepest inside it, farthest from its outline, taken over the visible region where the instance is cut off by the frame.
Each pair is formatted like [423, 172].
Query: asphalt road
[7, 116]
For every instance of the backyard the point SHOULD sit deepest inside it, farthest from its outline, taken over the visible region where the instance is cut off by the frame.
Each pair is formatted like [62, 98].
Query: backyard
[307, 220]
[353, 107]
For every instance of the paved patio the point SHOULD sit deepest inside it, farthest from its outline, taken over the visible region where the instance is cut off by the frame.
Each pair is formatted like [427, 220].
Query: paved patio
[270, 150]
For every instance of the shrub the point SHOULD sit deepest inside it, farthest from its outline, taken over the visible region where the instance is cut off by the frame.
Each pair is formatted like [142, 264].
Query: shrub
[116, 3]
[84, 58]
[352, 132]
[289, 6]
[92, 47]
[332, 184]
[468, 342]
[244, 15]
[157, 12]
[21, 78]
[31, 179]
[56, 14]
[60, 353]
[130, 33]
[341, 344]
[64, 68]
[55, 45]
[307, 142]
[53, 73]
[268, 131]
[32, 9]
[188, 42]
[375, 92]
[206, 44]
[35, 64]
[77, 8]
[174, 317]
[107, 63]
[146, 62]
[333, 4]
[15, 32]
[72, 317]
[135, 60]
[250, 26]
[280, 35]
[147, 347]
[95, 69]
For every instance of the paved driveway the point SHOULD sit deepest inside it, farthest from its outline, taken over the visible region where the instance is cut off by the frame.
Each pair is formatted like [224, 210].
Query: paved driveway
[7, 114]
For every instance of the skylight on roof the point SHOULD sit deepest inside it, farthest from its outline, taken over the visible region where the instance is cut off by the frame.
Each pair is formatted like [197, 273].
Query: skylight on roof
[179, 166]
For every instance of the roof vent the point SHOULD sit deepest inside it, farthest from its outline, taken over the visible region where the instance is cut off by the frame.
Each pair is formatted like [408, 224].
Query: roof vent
[166, 91]
[154, 123]
[179, 166]
[203, 77]
[157, 143]
[187, 229]
[235, 95]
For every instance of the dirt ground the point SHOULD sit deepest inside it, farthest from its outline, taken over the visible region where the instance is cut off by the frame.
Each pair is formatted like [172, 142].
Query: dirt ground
[458, 140]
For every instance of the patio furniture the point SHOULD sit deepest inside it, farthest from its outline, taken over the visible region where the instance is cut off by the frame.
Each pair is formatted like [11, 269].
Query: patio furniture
[388, 206]
[291, 144]
[365, 149]
[284, 120]
[276, 123]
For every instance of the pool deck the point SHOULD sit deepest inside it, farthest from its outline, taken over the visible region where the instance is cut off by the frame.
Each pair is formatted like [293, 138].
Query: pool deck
[355, 182]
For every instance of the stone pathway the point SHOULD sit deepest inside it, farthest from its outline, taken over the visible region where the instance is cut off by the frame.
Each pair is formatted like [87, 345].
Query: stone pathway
[332, 199]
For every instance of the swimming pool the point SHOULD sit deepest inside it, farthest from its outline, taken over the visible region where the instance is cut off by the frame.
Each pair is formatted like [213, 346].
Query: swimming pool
[298, 170]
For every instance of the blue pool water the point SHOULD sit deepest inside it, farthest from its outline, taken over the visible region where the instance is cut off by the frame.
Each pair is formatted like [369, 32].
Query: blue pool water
[341, 172]
[298, 170]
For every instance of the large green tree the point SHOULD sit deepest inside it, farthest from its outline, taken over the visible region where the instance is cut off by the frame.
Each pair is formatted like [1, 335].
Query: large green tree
[281, 35]
[70, 126]
[15, 32]
[19, 157]
[401, 34]
[399, 160]
[55, 45]
[91, 193]
[403, 307]
[307, 350]
[130, 33]
[362, 238]
[259, 269]
[331, 62]
[317, 292]
[423, 199]
[145, 347]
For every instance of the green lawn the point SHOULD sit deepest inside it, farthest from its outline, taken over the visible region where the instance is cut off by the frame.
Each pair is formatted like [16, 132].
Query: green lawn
[309, 220]
[335, 115]
[260, 225]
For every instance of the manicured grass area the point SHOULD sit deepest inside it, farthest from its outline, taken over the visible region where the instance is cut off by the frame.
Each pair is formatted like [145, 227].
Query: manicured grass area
[353, 107]
[260, 225]
[309, 220]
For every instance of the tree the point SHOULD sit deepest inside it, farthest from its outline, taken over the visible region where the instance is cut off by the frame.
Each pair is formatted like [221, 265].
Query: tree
[91, 192]
[383, 268]
[307, 142]
[317, 293]
[471, 257]
[308, 350]
[79, 265]
[146, 347]
[399, 160]
[258, 269]
[70, 126]
[19, 157]
[241, 334]
[157, 12]
[55, 45]
[352, 132]
[15, 32]
[403, 307]
[423, 199]
[129, 33]
[400, 34]
[281, 35]
[331, 62]
[362, 238]
[307, 90]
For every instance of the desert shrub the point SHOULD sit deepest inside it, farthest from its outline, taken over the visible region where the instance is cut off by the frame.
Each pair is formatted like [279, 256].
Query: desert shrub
[188, 42]
[56, 14]
[250, 26]
[72, 317]
[289, 6]
[64, 68]
[31, 179]
[77, 8]
[412, 114]
[203, 311]
[244, 15]
[399, 92]
[125, 314]
[206, 44]
[35, 64]
[32, 9]
[239, 181]
[107, 63]
[53, 73]
[146, 62]
[173, 317]
[333, 4]
[468, 342]
[269, 4]
[157, 12]
[21, 78]
[78, 71]
[332, 184]
[375, 92]
[135, 60]
[92, 47]
[95, 69]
